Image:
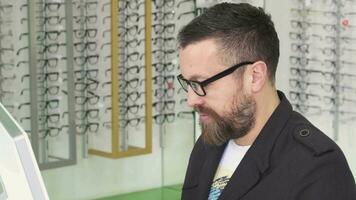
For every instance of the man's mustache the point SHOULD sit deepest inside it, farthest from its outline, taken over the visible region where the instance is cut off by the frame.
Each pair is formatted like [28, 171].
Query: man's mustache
[205, 110]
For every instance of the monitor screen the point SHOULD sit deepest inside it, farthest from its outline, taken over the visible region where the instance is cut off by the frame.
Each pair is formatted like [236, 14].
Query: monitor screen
[20, 177]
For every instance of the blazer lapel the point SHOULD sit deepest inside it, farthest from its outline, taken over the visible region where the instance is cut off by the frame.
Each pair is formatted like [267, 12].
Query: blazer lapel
[209, 169]
[248, 174]
[256, 160]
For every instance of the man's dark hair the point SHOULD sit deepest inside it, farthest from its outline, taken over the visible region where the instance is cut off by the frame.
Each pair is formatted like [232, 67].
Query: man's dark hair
[243, 33]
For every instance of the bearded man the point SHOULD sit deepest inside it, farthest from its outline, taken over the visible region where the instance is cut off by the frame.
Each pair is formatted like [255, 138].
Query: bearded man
[253, 145]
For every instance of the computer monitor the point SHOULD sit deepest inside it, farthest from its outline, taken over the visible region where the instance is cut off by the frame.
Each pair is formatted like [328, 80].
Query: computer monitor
[20, 177]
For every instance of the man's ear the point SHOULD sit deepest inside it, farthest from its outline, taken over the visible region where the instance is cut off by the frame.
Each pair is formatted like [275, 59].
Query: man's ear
[259, 76]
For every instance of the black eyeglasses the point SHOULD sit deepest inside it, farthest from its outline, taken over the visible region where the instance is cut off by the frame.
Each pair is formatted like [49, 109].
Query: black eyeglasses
[90, 33]
[87, 5]
[50, 6]
[82, 46]
[92, 100]
[52, 104]
[162, 66]
[84, 114]
[82, 129]
[198, 87]
[89, 59]
[49, 20]
[164, 117]
[50, 118]
[90, 19]
[51, 35]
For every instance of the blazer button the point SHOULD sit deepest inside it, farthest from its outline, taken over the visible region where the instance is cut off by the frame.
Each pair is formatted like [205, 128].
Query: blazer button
[304, 132]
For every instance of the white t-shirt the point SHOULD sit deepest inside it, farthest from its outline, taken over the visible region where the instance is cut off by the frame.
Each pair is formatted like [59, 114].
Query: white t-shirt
[231, 158]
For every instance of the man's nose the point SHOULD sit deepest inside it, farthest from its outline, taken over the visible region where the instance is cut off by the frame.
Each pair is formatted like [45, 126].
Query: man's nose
[193, 99]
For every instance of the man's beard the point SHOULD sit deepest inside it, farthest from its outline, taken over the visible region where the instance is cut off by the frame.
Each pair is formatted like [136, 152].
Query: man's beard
[232, 125]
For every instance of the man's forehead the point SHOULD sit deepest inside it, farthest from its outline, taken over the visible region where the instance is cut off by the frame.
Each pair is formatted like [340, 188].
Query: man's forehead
[207, 46]
[199, 60]
[198, 53]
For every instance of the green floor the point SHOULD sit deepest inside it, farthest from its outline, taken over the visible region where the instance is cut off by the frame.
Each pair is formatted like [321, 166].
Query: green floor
[164, 193]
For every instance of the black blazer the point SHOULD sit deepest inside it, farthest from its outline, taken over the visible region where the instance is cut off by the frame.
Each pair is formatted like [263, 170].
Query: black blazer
[289, 160]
